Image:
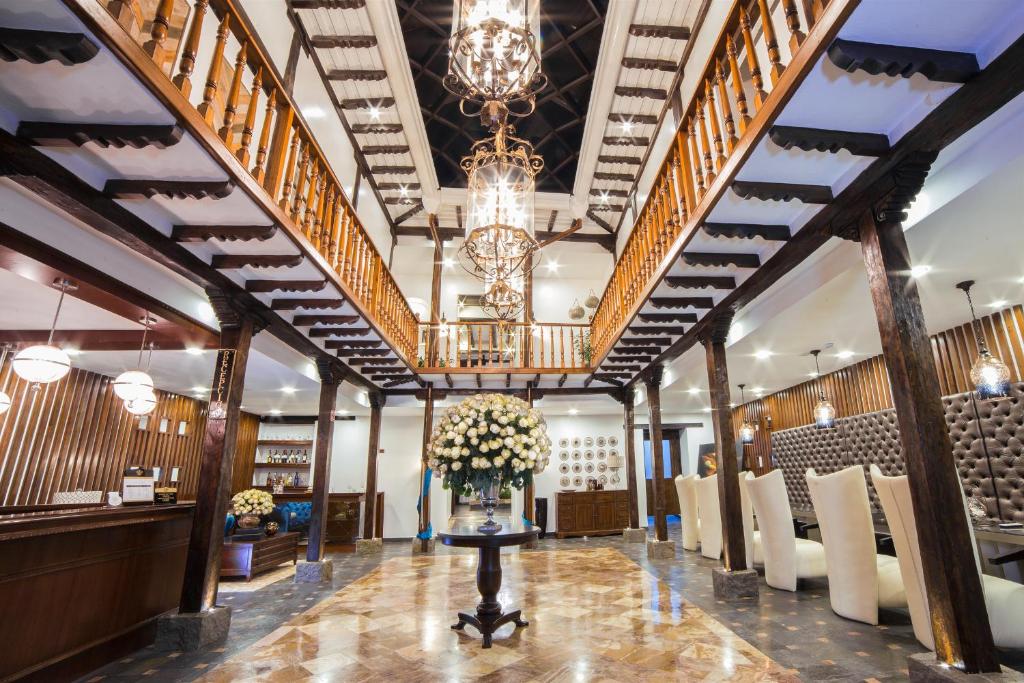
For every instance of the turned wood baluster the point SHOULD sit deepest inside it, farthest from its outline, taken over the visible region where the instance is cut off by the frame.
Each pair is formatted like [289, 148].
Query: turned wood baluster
[705, 144]
[716, 132]
[258, 170]
[289, 169]
[796, 36]
[698, 169]
[737, 84]
[187, 65]
[666, 221]
[812, 12]
[127, 13]
[355, 271]
[675, 189]
[689, 197]
[306, 220]
[349, 236]
[755, 70]
[768, 27]
[300, 182]
[213, 73]
[234, 92]
[321, 223]
[154, 47]
[725, 107]
[242, 153]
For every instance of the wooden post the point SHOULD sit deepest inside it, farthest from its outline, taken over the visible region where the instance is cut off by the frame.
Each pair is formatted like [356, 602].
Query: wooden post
[322, 461]
[529, 490]
[734, 555]
[435, 294]
[202, 564]
[428, 426]
[963, 637]
[652, 382]
[376, 407]
[629, 425]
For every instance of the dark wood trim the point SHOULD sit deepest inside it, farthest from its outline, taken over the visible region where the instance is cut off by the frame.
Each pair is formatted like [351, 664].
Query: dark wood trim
[311, 304]
[667, 317]
[38, 47]
[701, 281]
[666, 65]
[652, 382]
[900, 60]
[655, 31]
[696, 258]
[821, 140]
[52, 134]
[268, 286]
[310, 320]
[702, 302]
[238, 261]
[377, 401]
[323, 453]
[147, 188]
[782, 192]
[748, 231]
[641, 93]
[629, 446]
[223, 233]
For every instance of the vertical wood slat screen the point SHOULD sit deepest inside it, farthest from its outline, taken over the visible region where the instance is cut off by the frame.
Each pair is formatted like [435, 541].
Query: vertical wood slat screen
[864, 387]
[76, 434]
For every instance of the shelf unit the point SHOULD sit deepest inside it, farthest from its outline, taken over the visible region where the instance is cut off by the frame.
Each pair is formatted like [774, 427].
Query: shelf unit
[282, 465]
[293, 443]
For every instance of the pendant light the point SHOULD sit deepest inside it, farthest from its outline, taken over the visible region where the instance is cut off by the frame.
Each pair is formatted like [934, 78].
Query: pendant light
[144, 402]
[576, 311]
[5, 400]
[45, 363]
[135, 383]
[990, 375]
[746, 429]
[824, 411]
[592, 301]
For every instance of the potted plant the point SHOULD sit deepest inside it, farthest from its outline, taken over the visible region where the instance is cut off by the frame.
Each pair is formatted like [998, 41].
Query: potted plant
[489, 443]
[583, 348]
[250, 505]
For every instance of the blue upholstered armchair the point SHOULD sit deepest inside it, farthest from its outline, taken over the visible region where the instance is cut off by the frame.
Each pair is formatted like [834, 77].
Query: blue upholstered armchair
[295, 516]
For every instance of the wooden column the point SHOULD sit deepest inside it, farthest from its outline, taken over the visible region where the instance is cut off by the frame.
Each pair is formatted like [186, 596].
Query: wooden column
[734, 556]
[653, 383]
[529, 491]
[963, 637]
[528, 313]
[322, 462]
[428, 425]
[202, 564]
[435, 293]
[629, 426]
[376, 408]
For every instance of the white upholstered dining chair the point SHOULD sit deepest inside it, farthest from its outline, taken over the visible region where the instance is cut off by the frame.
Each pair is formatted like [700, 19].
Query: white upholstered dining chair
[710, 517]
[859, 579]
[1004, 600]
[751, 536]
[686, 488]
[786, 557]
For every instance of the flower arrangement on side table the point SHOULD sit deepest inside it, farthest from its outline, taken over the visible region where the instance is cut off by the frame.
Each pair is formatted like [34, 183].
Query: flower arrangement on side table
[489, 443]
[249, 505]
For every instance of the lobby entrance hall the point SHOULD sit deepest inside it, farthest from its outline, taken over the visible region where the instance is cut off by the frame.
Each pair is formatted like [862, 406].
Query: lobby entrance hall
[511, 340]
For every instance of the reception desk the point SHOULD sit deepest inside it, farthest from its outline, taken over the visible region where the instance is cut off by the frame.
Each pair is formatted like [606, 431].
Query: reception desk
[81, 587]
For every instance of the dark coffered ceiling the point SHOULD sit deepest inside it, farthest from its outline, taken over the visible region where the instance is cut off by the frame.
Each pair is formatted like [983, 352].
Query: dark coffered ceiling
[571, 38]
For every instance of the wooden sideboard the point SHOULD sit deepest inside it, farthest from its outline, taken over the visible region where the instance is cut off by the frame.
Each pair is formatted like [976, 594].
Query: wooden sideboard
[251, 557]
[591, 513]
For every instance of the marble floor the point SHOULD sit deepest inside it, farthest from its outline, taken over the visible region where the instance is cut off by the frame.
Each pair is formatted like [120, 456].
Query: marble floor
[393, 611]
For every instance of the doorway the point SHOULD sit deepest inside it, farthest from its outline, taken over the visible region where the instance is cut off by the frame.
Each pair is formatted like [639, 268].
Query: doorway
[672, 467]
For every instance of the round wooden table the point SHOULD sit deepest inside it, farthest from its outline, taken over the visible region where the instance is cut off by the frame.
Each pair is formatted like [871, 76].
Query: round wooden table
[489, 617]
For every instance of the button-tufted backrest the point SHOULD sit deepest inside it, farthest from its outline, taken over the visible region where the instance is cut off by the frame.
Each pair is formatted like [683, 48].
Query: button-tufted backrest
[802, 448]
[874, 439]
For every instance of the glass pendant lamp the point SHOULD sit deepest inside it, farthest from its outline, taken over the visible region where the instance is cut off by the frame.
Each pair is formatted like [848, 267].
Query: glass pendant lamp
[142, 404]
[5, 400]
[990, 375]
[135, 383]
[746, 429]
[45, 363]
[824, 411]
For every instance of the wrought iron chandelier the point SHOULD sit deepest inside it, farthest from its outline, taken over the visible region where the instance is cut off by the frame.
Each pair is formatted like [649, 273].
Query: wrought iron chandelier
[990, 375]
[824, 411]
[494, 58]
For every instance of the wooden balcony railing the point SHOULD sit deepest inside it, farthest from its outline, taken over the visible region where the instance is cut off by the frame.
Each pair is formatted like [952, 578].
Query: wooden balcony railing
[731, 92]
[504, 347]
[248, 107]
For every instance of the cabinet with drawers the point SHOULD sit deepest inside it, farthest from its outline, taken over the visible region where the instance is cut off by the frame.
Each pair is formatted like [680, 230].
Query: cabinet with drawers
[591, 513]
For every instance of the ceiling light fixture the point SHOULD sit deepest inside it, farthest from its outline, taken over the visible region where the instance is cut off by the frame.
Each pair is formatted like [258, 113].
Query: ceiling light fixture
[627, 126]
[998, 303]
[990, 375]
[824, 411]
[45, 363]
[574, 411]
[694, 391]
[746, 429]
[845, 354]
[375, 113]
[193, 350]
[763, 354]
[273, 411]
[920, 271]
[135, 383]
[288, 390]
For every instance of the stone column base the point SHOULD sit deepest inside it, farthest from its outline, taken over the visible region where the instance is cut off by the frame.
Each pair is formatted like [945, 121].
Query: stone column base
[634, 535]
[314, 572]
[924, 667]
[661, 550]
[369, 546]
[735, 584]
[192, 631]
[417, 546]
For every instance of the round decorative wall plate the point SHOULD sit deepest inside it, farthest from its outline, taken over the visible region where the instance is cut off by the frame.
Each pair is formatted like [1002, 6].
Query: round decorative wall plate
[588, 442]
[576, 455]
[564, 468]
[602, 466]
[589, 455]
[613, 441]
[577, 481]
[615, 479]
[589, 468]
[613, 452]
[563, 455]
[601, 441]
[601, 454]
[563, 442]
[603, 479]
[576, 442]
[564, 482]
[577, 467]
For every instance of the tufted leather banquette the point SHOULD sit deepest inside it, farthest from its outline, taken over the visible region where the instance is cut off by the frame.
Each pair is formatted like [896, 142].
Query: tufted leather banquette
[874, 439]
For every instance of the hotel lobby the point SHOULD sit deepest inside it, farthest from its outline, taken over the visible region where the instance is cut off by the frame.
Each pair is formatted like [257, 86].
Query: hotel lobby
[511, 340]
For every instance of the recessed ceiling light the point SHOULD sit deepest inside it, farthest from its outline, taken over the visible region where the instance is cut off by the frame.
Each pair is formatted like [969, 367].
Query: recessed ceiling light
[193, 350]
[200, 390]
[732, 404]
[573, 411]
[603, 197]
[404, 191]
[288, 390]
[273, 411]
[627, 126]
[375, 113]
[313, 112]
[763, 354]
[553, 266]
[343, 411]
[920, 271]
[707, 410]
[845, 354]
[998, 303]
[694, 390]
[759, 390]
[449, 263]
[812, 375]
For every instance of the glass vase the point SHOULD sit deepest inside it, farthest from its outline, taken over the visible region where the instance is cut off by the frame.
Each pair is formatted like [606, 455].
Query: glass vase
[489, 500]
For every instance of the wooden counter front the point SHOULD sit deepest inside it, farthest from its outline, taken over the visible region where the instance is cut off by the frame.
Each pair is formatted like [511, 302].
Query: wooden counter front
[82, 587]
[591, 513]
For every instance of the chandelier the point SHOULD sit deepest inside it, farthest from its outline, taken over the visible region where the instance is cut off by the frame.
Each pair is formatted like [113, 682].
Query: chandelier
[503, 299]
[990, 375]
[494, 58]
[824, 411]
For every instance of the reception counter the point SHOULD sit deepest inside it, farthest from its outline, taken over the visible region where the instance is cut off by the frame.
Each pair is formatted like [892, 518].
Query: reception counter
[83, 586]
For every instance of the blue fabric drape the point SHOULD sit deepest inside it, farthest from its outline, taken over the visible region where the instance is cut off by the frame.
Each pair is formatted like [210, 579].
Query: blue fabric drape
[429, 531]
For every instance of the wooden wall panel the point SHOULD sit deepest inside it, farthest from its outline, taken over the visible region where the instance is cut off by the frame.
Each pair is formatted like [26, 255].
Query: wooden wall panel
[864, 387]
[245, 454]
[76, 434]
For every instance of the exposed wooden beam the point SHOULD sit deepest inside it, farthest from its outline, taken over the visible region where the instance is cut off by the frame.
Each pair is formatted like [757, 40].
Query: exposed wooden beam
[638, 119]
[104, 340]
[643, 350]
[696, 258]
[783, 192]
[613, 159]
[407, 215]
[573, 227]
[598, 191]
[667, 317]
[444, 234]
[899, 60]
[448, 380]
[666, 65]
[610, 378]
[701, 281]
[616, 367]
[360, 353]
[38, 47]
[339, 332]
[310, 304]
[223, 233]
[561, 380]
[607, 242]
[375, 129]
[771, 233]
[376, 150]
[626, 141]
[401, 201]
[642, 93]
[627, 356]
[610, 208]
[669, 330]
[367, 103]
[359, 362]
[479, 381]
[644, 341]
[266, 286]
[50, 134]
[822, 140]
[618, 177]
[704, 302]
[600, 221]
[123, 188]
[233, 261]
[362, 346]
[343, 42]
[655, 31]
[393, 170]
[327, 4]
[358, 75]
[310, 320]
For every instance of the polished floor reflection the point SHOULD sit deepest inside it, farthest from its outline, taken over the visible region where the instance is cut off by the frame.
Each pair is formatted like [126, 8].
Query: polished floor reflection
[594, 615]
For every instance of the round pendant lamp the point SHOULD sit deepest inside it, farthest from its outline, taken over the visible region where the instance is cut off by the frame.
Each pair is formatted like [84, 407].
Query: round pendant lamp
[143, 404]
[45, 363]
[135, 383]
[746, 429]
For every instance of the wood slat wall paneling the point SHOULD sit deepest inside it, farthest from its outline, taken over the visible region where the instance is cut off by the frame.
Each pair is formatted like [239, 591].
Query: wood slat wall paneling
[864, 387]
[75, 434]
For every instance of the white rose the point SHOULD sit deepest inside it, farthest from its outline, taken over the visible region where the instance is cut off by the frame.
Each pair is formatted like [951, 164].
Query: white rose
[499, 461]
[461, 429]
[474, 441]
[495, 428]
[484, 448]
[465, 452]
[518, 448]
[455, 466]
[503, 420]
[459, 440]
[471, 432]
[450, 435]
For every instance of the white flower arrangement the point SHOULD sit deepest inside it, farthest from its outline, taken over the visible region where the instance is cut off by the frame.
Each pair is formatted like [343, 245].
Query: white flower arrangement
[489, 438]
[252, 502]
